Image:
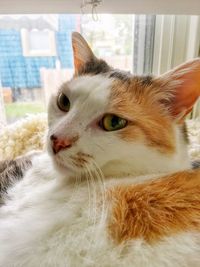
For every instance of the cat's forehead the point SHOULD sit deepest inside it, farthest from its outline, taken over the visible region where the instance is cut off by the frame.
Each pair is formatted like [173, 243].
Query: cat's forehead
[105, 88]
[87, 83]
[88, 88]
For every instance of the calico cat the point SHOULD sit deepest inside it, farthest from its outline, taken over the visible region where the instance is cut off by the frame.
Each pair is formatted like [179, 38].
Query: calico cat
[116, 187]
[14, 170]
[11, 171]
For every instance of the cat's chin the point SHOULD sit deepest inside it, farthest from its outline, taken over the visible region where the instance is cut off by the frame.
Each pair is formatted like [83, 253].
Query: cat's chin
[62, 168]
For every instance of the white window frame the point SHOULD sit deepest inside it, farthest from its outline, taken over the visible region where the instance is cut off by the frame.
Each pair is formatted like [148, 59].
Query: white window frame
[171, 33]
[27, 52]
[189, 7]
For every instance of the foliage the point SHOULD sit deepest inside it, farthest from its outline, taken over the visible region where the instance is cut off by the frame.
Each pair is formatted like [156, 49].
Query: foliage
[19, 109]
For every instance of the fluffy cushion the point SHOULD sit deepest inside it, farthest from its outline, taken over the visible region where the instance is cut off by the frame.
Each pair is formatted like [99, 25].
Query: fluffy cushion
[29, 134]
[194, 137]
[23, 136]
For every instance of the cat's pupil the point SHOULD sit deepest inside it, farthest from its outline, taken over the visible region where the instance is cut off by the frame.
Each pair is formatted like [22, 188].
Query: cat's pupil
[65, 100]
[114, 121]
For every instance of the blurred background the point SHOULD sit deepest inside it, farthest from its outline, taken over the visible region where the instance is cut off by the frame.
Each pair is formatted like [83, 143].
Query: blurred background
[36, 52]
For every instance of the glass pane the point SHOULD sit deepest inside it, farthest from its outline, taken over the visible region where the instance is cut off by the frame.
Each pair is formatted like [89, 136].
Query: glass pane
[141, 44]
[111, 38]
[39, 40]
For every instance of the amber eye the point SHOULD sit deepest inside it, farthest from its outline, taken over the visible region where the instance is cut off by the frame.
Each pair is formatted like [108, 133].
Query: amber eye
[63, 102]
[112, 122]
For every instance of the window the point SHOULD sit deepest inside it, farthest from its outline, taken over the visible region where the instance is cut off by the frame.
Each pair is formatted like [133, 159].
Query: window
[37, 43]
[37, 57]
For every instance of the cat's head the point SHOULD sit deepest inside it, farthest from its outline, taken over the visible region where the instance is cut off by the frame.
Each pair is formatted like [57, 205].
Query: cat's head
[122, 123]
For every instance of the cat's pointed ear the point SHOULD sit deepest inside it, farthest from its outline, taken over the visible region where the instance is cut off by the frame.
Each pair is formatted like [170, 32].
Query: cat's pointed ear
[82, 53]
[183, 83]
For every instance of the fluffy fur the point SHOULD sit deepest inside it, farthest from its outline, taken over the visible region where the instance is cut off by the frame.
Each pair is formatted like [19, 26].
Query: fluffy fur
[156, 209]
[59, 225]
[93, 204]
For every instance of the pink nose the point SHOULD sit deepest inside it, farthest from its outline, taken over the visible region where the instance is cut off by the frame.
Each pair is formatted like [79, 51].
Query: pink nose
[60, 144]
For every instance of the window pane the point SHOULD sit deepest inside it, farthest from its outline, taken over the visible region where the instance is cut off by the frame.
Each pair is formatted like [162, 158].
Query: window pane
[39, 40]
[111, 38]
[35, 63]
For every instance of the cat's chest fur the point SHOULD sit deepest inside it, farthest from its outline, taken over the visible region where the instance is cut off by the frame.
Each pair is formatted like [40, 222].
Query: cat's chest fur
[55, 225]
[48, 224]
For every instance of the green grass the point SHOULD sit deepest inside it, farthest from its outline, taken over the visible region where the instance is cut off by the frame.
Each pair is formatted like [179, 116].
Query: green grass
[17, 110]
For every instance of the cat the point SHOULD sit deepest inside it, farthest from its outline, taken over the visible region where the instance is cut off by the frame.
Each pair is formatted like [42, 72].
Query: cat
[14, 170]
[115, 186]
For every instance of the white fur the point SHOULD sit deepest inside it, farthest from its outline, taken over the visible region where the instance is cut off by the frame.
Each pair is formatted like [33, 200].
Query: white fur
[50, 223]
[52, 219]
[89, 98]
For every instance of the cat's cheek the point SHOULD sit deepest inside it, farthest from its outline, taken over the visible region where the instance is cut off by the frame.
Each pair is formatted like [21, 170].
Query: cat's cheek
[63, 170]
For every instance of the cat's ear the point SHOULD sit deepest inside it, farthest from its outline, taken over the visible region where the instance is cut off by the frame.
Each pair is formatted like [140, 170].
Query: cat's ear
[183, 83]
[82, 53]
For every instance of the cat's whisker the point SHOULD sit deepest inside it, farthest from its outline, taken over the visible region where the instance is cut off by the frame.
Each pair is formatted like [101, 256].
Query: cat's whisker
[89, 192]
[100, 175]
[93, 183]
[75, 188]
[94, 233]
[99, 181]
[77, 182]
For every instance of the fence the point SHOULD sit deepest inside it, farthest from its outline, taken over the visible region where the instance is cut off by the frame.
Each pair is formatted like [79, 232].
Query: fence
[51, 79]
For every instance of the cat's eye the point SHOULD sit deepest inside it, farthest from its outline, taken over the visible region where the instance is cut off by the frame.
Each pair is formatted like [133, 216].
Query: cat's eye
[111, 122]
[63, 102]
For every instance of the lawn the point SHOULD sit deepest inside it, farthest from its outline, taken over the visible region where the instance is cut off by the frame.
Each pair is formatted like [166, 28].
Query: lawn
[17, 110]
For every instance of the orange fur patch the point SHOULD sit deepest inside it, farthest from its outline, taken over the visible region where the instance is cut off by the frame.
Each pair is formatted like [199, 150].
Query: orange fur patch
[148, 121]
[155, 209]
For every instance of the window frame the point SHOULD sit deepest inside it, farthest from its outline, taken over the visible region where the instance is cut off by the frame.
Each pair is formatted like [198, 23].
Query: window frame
[26, 50]
[191, 7]
[171, 32]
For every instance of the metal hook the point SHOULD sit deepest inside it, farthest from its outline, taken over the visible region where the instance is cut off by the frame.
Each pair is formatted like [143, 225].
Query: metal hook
[94, 13]
[94, 4]
[82, 7]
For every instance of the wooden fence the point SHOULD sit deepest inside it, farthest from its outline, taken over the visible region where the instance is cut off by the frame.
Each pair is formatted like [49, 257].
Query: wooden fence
[51, 79]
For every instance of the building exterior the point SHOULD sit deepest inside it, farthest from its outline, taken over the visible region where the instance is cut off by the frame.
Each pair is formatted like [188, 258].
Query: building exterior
[20, 69]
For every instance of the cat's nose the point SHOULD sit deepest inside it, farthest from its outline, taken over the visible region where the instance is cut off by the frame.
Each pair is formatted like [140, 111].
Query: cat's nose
[60, 143]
